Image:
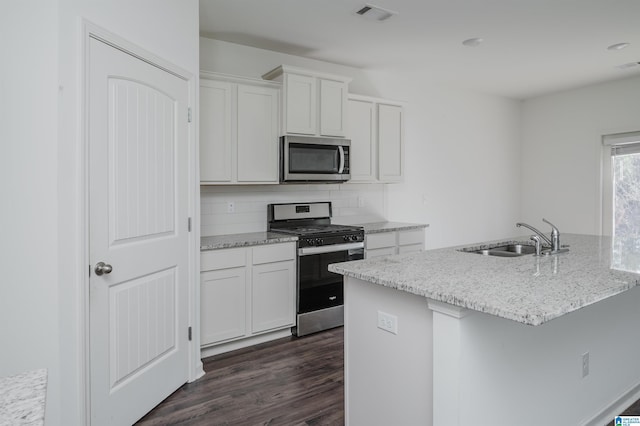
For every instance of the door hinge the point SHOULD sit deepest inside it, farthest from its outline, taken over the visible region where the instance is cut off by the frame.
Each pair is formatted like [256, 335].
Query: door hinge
[189, 114]
[189, 225]
[190, 334]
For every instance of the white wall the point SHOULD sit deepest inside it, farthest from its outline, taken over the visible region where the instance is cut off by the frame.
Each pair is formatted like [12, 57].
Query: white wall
[235, 59]
[462, 152]
[29, 299]
[561, 151]
[40, 40]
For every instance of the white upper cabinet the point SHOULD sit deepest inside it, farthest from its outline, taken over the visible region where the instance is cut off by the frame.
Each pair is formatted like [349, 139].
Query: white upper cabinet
[300, 104]
[363, 156]
[313, 103]
[377, 142]
[239, 130]
[215, 131]
[257, 134]
[333, 107]
[390, 143]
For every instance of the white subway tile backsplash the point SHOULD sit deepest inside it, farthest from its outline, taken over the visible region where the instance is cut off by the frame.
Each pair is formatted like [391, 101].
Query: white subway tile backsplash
[352, 203]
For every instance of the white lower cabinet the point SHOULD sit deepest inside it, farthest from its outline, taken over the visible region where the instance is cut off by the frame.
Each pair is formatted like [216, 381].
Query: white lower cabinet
[393, 242]
[223, 305]
[272, 296]
[246, 292]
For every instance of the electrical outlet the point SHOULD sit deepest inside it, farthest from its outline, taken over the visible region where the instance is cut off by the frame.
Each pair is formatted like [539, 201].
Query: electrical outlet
[231, 207]
[360, 201]
[585, 364]
[387, 322]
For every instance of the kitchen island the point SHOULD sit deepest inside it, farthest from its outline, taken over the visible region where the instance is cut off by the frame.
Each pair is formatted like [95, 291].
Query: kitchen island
[484, 340]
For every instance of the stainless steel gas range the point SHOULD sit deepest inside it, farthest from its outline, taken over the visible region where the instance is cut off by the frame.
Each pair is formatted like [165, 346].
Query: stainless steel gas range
[320, 297]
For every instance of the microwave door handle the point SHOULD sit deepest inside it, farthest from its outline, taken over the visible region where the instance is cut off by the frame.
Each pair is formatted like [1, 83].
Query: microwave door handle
[341, 151]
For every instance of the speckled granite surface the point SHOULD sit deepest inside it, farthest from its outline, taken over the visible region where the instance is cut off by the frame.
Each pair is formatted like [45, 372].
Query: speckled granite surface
[244, 240]
[22, 398]
[375, 227]
[528, 289]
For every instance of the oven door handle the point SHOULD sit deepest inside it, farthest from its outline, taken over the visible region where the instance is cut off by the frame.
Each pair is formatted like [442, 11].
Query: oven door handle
[306, 251]
[341, 151]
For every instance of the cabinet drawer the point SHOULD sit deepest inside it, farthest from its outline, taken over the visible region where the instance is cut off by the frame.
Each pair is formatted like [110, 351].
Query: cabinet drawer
[274, 253]
[412, 248]
[414, 236]
[383, 239]
[386, 251]
[222, 259]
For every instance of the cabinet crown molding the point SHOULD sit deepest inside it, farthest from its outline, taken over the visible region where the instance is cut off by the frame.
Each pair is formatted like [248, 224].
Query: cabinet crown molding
[230, 78]
[276, 74]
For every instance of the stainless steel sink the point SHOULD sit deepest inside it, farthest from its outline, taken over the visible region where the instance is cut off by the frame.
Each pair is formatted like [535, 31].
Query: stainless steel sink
[505, 250]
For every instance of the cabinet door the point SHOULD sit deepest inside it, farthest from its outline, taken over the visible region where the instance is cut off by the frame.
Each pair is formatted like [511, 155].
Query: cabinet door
[222, 305]
[390, 143]
[363, 148]
[257, 132]
[215, 131]
[300, 104]
[273, 296]
[333, 108]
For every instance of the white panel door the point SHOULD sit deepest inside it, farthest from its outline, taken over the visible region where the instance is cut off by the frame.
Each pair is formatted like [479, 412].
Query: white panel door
[257, 134]
[333, 108]
[301, 104]
[138, 166]
[216, 147]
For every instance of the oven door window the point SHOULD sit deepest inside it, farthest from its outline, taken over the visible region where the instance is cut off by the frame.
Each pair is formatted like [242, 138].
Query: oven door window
[313, 159]
[319, 288]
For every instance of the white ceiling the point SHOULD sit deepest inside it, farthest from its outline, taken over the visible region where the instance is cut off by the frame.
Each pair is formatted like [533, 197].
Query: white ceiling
[531, 47]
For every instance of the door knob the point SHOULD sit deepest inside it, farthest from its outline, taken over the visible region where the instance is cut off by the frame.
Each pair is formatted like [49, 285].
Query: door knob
[102, 268]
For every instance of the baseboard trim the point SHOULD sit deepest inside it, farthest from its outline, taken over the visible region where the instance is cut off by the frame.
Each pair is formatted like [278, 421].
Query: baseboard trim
[607, 414]
[243, 343]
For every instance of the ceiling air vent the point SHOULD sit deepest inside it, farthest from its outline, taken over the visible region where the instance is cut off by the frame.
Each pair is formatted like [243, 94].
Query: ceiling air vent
[375, 13]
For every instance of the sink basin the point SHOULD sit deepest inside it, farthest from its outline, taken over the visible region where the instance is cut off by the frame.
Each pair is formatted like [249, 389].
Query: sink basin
[505, 250]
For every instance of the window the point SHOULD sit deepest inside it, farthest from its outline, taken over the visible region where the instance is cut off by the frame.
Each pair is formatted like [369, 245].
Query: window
[621, 191]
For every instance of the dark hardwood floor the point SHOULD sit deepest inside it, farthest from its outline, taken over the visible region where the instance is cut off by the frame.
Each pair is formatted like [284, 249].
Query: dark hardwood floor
[286, 382]
[289, 382]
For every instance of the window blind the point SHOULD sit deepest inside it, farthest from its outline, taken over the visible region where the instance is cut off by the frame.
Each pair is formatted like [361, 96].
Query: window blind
[623, 143]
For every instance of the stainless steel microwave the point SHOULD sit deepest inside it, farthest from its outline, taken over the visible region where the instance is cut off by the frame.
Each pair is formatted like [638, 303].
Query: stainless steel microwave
[314, 159]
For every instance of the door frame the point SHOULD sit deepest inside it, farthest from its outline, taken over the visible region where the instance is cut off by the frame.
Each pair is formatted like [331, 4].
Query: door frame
[195, 368]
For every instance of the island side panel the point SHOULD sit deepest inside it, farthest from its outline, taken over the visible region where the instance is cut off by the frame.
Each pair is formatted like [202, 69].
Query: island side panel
[533, 374]
[388, 377]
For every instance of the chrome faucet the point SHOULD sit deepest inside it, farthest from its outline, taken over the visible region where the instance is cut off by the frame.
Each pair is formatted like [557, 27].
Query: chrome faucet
[553, 243]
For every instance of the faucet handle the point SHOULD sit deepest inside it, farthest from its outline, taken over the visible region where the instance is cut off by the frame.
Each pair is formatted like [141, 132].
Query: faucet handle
[538, 243]
[555, 237]
[554, 230]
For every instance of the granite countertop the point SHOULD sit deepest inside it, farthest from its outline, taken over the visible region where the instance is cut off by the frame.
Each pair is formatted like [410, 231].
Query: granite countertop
[375, 227]
[528, 289]
[22, 398]
[244, 240]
